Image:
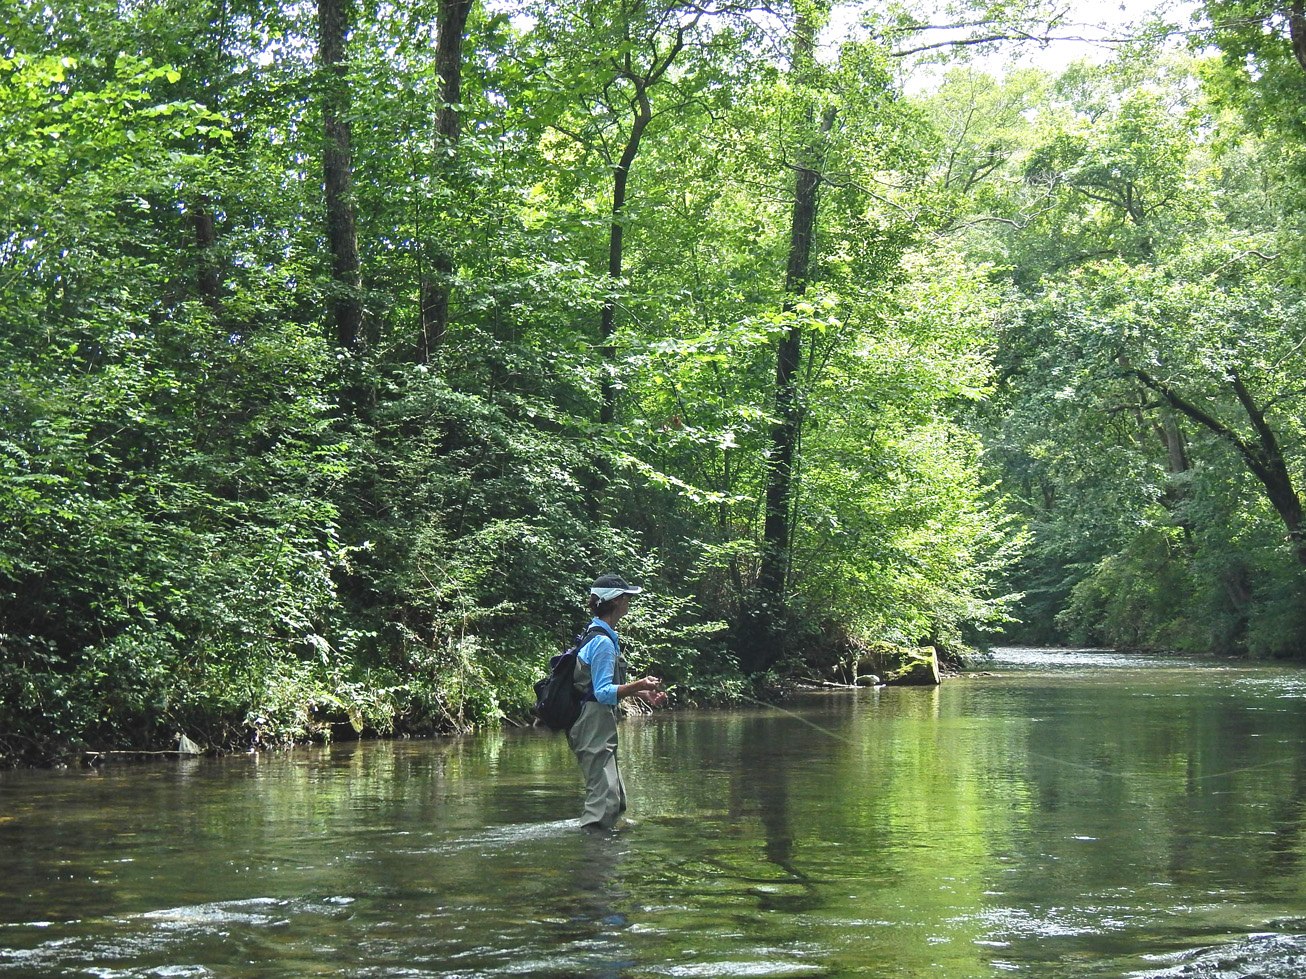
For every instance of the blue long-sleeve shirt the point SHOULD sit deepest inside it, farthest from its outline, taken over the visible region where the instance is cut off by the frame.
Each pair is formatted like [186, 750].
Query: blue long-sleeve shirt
[600, 655]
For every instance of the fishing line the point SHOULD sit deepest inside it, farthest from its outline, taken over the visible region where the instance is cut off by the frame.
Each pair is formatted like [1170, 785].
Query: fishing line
[798, 717]
[1249, 768]
[1074, 764]
[1195, 778]
[1033, 754]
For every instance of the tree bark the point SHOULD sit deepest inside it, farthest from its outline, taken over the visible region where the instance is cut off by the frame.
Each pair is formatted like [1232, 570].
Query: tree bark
[1176, 493]
[764, 637]
[210, 73]
[1176, 450]
[1262, 456]
[1272, 470]
[616, 248]
[641, 81]
[437, 282]
[208, 273]
[346, 308]
[1297, 31]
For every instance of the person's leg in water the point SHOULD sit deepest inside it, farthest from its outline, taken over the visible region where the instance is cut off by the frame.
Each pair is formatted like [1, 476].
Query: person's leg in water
[593, 738]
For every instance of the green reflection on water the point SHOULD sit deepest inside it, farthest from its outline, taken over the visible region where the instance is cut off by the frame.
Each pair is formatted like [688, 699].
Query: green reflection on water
[1053, 821]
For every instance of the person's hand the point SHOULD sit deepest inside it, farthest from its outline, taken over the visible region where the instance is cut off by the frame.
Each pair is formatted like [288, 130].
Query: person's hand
[649, 690]
[654, 698]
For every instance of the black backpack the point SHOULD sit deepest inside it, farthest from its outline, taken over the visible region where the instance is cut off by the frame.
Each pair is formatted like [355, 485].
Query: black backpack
[557, 701]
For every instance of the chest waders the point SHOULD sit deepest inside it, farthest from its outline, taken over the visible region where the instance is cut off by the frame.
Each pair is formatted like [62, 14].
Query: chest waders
[593, 739]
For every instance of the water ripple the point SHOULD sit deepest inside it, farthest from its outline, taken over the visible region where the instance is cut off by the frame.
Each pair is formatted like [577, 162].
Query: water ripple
[1264, 956]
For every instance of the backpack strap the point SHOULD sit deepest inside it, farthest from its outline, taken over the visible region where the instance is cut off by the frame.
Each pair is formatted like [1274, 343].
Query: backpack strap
[581, 643]
[590, 633]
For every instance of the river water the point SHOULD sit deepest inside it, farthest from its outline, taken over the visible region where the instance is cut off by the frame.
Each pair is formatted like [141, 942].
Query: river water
[1062, 814]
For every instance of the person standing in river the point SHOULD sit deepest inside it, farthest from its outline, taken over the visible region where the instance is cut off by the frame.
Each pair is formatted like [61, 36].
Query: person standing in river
[601, 674]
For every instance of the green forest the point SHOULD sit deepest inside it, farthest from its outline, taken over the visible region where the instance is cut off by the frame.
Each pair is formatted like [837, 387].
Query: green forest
[343, 344]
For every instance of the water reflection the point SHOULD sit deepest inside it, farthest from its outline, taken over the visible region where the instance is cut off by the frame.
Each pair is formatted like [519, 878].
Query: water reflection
[760, 790]
[1059, 817]
[601, 899]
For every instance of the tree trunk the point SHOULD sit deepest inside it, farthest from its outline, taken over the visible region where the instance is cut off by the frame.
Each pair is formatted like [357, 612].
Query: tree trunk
[1272, 470]
[208, 274]
[616, 232]
[346, 308]
[1175, 496]
[641, 80]
[1263, 457]
[434, 307]
[1176, 450]
[1297, 31]
[437, 283]
[764, 637]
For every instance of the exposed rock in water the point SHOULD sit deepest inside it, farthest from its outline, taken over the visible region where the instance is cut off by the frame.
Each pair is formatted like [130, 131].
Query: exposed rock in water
[914, 667]
[871, 664]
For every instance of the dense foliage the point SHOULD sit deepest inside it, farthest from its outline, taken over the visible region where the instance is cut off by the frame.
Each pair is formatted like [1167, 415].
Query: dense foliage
[1149, 419]
[325, 392]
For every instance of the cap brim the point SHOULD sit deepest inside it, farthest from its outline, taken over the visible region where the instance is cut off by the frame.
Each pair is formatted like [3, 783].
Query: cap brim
[608, 594]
